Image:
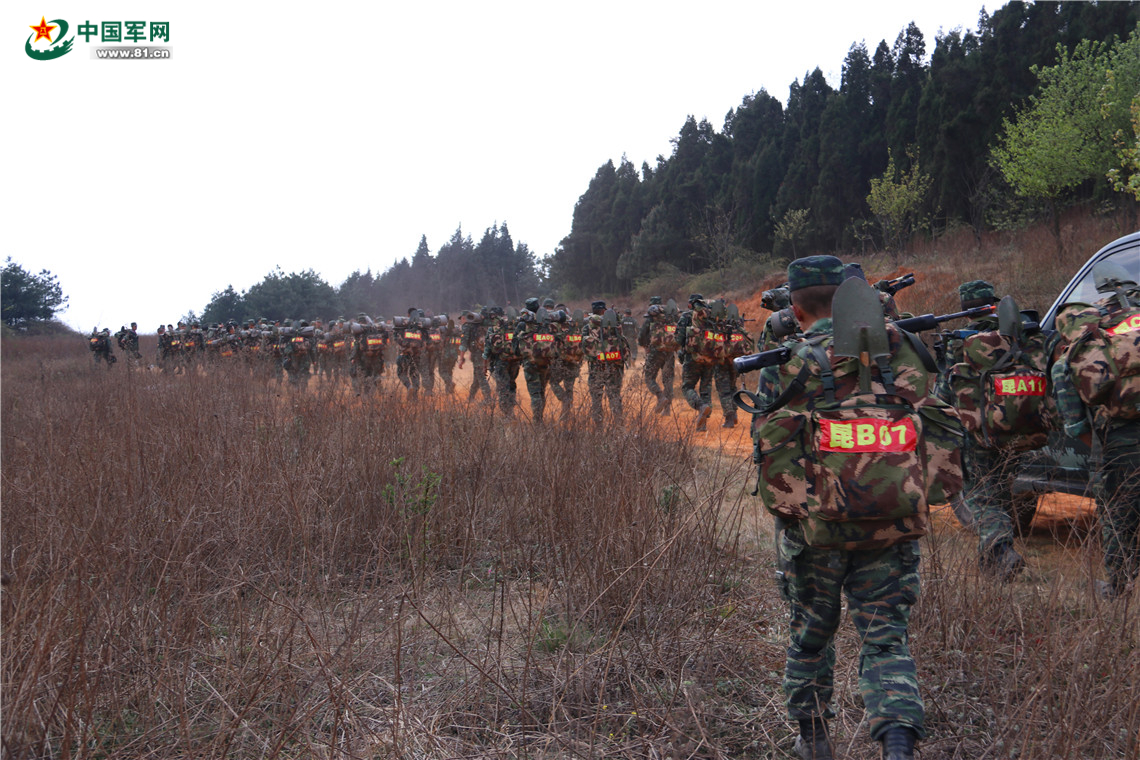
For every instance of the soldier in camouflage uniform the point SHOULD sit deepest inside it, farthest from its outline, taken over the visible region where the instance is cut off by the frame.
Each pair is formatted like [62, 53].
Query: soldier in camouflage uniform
[881, 584]
[658, 336]
[697, 372]
[100, 344]
[366, 355]
[502, 361]
[298, 350]
[567, 367]
[1115, 432]
[410, 344]
[164, 352]
[473, 342]
[776, 301]
[535, 341]
[449, 353]
[989, 472]
[606, 351]
[433, 347]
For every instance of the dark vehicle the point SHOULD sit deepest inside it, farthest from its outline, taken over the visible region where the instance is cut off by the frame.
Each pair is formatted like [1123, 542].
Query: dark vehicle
[1062, 466]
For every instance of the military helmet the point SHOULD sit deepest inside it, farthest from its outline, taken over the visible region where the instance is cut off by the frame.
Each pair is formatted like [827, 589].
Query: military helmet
[548, 303]
[531, 304]
[598, 307]
[654, 300]
[976, 293]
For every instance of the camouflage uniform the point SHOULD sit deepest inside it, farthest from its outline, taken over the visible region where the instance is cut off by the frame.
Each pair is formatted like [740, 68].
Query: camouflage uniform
[449, 354]
[536, 372]
[565, 371]
[369, 340]
[988, 472]
[128, 340]
[298, 350]
[606, 351]
[696, 371]
[473, 341]
[433, 347]
[658, 361]
[164, 352]
[880, 584]
[410, 344]
[502, 361]
[100, 345]
[1117, 483]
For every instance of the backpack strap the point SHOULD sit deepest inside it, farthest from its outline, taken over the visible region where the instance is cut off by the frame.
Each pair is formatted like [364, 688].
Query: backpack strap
[826, 376]
[923, 352]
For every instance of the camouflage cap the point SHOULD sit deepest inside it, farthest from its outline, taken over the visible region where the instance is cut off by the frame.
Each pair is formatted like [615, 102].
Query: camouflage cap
[548, 303]
[654, 300]
[531, 304]
[696, 298]
[597, 305]
[976, 293]
[815, 270]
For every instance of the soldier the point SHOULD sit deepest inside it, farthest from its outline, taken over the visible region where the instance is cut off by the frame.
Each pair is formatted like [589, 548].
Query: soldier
[1103, 410]
[164, 352]
[567, 367]
[100, 345]
[129, 343]
[449, 353]
[369, 340]
[737, 342]
[988, 472]
[502, 361]
[697, 368]
[606, 351]
[781, 324]
[535, 343]
[882, 582]
[629, 331]
[433, 347]
[473, 341]
[410, 345]
[298, 350]
[658, 336]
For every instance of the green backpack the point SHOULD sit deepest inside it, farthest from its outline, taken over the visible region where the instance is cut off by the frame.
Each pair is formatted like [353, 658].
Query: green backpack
[1001, 385]
[855, 448]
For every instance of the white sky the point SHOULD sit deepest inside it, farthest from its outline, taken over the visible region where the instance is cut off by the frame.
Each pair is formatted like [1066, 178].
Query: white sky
[333, 135]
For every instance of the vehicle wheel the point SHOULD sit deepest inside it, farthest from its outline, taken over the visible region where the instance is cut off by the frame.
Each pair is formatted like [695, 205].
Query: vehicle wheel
[1023, 506]
[962, 511]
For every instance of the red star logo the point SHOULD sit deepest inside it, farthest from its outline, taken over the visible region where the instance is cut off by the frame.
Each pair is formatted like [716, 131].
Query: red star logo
[43, 31]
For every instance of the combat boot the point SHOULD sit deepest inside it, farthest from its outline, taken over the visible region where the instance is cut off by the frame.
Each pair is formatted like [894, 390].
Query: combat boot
[663, 403]
[812, 743]
[703, 417]
[898, 743]
[729, 421]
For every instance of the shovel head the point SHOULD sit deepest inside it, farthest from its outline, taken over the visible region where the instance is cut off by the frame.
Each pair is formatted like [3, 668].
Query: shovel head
[733, 312]
[577, 317]
[1009, 318]
[671, 308]
[540, 315]
[859, 327]
[610, 318]
[717, 309]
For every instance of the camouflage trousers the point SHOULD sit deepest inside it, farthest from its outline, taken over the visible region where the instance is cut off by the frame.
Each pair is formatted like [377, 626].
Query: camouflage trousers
[605, 378]
[506, 375]
[427, 373]
[408, 371]
[537, 378]
[298, 367]
[662, 362]
[881, 586]
[705, 376]
[479, 379]
[1118, 503]
[986, 494]
[563, 375]
[446, 373]
[366, 371]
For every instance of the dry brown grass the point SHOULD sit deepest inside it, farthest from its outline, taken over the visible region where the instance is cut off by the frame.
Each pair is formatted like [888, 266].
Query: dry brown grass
[209, 565]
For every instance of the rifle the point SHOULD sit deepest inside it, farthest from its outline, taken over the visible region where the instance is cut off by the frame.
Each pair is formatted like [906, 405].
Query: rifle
[763, 359]
[931, 321]
[894, 286]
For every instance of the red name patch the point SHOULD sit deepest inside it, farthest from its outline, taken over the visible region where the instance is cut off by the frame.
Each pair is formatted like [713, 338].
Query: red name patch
[1132, 324]
[573, 338]
[670, 328]
[609, 356]
[410, 335]
[543, 337]
[710, 335]
[1019, 385]
[867, 435]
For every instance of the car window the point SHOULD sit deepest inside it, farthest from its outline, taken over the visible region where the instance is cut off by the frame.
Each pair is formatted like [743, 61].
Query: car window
[1085, 292]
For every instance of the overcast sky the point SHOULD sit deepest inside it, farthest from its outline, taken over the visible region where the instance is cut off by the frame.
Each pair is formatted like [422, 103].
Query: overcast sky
[331, 136]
